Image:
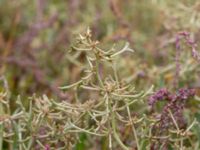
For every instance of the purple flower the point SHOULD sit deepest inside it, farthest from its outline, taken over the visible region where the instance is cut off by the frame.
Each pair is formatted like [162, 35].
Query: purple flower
[185, 93]
[162, 94]
[175, 105]
[47, 147]
[192, 44]
[184, 33]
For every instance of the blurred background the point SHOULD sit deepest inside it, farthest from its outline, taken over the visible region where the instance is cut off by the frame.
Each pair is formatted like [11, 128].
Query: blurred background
[35, 37]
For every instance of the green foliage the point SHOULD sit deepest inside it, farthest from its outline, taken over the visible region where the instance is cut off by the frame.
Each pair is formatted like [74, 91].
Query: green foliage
[94, 95]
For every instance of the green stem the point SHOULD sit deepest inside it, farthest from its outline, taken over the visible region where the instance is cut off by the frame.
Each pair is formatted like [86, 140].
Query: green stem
[116, 136]
[30, 143]
[133, 128]
[97, 73]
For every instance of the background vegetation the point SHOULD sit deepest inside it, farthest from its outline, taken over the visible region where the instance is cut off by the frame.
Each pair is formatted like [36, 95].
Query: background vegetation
[41, 49]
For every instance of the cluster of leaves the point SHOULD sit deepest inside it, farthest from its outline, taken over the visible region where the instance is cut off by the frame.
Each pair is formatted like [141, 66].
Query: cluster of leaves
[103, 108]
[110, 102]
[56, 124]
